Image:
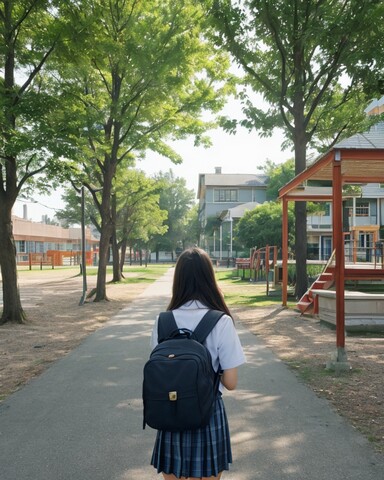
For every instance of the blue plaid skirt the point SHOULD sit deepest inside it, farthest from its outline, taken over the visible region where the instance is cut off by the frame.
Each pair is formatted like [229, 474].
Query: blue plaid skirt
[204, 452]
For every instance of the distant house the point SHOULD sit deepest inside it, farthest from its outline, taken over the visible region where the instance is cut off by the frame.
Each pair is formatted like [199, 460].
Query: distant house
[223, 199]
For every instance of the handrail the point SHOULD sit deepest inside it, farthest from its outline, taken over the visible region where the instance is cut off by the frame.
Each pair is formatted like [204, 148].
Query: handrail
[330, 260]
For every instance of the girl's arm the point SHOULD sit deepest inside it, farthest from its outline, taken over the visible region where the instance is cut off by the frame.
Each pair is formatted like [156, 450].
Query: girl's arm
[229, 378]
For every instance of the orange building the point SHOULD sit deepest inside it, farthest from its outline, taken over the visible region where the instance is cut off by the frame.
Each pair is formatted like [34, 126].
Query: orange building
[39, 242]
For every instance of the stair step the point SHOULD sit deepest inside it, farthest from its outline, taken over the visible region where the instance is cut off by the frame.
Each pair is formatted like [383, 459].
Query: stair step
[304, 307]
[304, 303]
[326, 274]
[321, 284]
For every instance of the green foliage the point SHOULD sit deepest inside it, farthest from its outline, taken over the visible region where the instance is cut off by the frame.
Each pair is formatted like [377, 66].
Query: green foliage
[177, 200]
[310, 60]
[278, 176]
[139, 215]
[263, 226]
[71, 213]
[138, 73]
[212, 225]
[30, 146]
[192, 227]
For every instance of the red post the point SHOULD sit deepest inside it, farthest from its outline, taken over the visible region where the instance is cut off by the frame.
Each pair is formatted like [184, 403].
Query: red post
[338, 238]
[285, 253]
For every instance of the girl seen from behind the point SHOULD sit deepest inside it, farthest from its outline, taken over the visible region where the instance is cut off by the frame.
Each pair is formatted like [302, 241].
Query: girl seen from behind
[206, 452]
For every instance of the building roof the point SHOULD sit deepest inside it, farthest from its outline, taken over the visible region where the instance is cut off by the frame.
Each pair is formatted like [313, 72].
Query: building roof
[235, 179]
[361, 158]
[231, 180]
[239, 210]
[374, 138]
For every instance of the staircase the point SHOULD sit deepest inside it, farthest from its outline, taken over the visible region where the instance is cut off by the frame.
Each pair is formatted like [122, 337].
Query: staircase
[308, 302]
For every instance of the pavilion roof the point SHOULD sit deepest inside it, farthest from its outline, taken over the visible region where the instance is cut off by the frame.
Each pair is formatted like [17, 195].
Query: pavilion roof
[361, 157]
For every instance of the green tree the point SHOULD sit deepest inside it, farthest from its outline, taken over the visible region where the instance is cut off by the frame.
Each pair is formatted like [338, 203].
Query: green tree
[28, 144]
[192, 227]
[262, 226]
[309, 59]
[176, 199]
[278, 176]
[137, 73]
[71, 213]
[139, 216]
[212, 225]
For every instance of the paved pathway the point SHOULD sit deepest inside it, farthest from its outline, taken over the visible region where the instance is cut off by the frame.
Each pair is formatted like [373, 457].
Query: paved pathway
[82, 419]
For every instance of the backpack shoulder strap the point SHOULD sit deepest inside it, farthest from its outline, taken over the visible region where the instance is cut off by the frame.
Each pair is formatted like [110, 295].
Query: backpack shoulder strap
[206, 324]
[166, 325]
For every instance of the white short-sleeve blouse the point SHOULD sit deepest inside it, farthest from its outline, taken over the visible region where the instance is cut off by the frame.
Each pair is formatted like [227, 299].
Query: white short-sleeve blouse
[223, 342]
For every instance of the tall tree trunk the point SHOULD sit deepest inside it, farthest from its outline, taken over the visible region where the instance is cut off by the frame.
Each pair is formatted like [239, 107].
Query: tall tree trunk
[105, 237]
[300, 141]
[12, 309]
[117, 277]
[300, 221]
[122, 255]
[107, 230]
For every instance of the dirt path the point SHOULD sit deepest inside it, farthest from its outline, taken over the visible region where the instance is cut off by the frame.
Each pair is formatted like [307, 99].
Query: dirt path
[306, 345]
[56, 322]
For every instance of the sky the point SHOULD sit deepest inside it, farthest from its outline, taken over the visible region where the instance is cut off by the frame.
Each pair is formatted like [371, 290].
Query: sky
[240, 153]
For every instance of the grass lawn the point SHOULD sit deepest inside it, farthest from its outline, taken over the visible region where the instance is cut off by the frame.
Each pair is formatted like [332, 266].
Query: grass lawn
[132, 273]
[239, 292]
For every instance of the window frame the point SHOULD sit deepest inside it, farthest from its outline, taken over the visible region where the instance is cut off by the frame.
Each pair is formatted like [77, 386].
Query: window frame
[225, 195]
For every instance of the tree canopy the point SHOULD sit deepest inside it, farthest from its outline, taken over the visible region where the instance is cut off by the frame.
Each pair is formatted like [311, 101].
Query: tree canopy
[177, 200]
[29, 146]
[86, 85]
[262, 226]
[278, 176]
[137, 73]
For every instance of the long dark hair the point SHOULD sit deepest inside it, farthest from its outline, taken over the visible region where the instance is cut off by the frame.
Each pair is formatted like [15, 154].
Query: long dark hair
[194, 279]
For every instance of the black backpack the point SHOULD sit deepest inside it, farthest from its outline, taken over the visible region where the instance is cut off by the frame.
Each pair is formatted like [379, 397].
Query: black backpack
[180, 385]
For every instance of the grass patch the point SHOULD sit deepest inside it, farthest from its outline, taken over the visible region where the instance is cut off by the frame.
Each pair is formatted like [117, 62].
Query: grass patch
[315, 374]
[239, 292]
[152, 271]
[133, 273]
[307, 371]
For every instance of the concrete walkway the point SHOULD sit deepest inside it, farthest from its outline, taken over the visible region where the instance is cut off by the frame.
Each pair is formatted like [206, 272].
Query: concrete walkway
[82, 419]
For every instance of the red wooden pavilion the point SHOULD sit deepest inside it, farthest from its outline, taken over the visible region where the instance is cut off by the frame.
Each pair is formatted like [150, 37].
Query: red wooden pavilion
[356, 160]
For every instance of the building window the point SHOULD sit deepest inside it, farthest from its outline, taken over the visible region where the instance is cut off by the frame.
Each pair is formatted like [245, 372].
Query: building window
[20, 246]
[225, 195]
[362, 209]
[39, 247]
